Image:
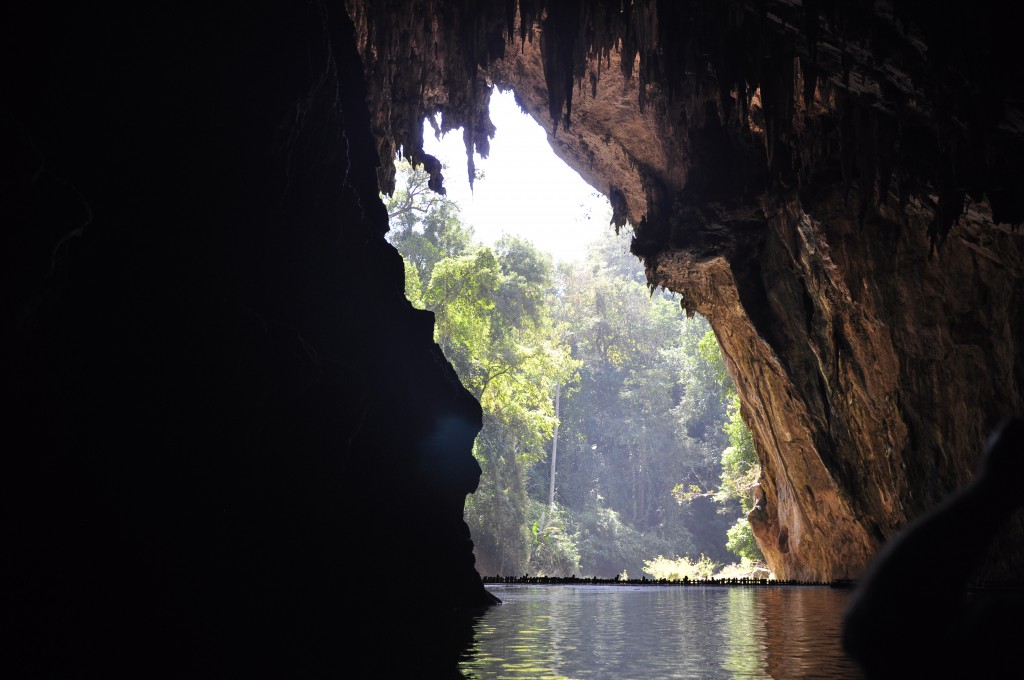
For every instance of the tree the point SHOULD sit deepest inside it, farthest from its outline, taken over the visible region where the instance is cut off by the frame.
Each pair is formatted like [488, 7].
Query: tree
[740, 472]
[492, 321]
[601, 399]
[620, 445]
[425, 227]
[739, 464]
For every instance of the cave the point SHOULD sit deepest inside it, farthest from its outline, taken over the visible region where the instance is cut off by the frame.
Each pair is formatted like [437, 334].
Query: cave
[224, 423]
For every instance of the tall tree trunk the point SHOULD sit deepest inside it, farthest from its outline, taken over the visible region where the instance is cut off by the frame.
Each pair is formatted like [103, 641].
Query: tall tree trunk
[554, 449]
[641, 514]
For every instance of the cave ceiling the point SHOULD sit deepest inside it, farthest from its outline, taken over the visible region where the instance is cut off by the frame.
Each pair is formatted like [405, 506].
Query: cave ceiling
[898, 99]
[836, 186]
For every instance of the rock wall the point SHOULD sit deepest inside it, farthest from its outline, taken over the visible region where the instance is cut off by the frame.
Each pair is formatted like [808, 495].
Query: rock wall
[870, 383]
[230, 445]
[834, 185]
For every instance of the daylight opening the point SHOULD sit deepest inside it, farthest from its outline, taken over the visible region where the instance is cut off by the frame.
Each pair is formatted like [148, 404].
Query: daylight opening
[612, 442]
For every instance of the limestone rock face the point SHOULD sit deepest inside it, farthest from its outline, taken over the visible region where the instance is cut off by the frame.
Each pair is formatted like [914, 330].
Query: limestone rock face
[835, 186]
[831, 376]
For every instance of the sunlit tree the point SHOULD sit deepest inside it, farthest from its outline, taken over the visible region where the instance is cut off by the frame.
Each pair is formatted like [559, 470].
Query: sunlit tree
[492, 321]
[641, 393]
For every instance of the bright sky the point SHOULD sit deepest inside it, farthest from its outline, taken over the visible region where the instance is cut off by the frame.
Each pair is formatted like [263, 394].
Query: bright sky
[526, 189]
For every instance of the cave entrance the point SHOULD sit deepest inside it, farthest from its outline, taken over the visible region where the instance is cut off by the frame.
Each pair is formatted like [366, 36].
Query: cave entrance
[522, 188]
[612, 442]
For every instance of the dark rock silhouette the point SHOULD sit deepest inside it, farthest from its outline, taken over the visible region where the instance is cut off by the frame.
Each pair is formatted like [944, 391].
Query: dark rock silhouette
[920, 611]
[227, 436]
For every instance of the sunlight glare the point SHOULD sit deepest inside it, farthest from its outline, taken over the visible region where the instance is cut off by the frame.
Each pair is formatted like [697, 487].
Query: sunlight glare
[526, 190]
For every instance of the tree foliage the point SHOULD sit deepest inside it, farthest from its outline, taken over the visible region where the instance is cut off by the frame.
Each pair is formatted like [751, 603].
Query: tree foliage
[680, 569]
[492, 322]
[740, 467]
[644, 399]
[424, 226]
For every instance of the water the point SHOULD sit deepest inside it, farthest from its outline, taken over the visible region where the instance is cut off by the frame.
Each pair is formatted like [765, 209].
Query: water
[650, 632]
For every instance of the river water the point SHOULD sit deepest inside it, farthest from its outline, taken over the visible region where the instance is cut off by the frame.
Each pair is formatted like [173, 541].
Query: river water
[649, 632]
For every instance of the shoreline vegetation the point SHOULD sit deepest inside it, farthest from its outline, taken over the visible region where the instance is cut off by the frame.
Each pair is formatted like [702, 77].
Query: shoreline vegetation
[526, 579]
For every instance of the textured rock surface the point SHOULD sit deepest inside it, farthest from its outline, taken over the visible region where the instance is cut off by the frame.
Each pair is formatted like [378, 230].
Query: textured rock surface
[834, 185]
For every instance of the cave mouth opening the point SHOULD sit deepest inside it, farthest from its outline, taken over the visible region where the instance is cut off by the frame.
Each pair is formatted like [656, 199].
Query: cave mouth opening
[549, 321]
[521, 187]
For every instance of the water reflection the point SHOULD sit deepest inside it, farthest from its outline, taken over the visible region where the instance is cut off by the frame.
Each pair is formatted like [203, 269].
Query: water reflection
[745, 648]
[650, 632]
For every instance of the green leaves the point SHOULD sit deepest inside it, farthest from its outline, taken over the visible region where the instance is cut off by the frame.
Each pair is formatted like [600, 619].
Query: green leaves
[424, 226]
[710, 352]
[493, 321]
[460, 294]
[741, 541]
[647, 407]
[680, 569]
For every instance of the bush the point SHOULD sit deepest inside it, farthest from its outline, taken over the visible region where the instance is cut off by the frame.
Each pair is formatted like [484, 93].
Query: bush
[553, 549]
[680, 568]
[744, 569]
[741, 541]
